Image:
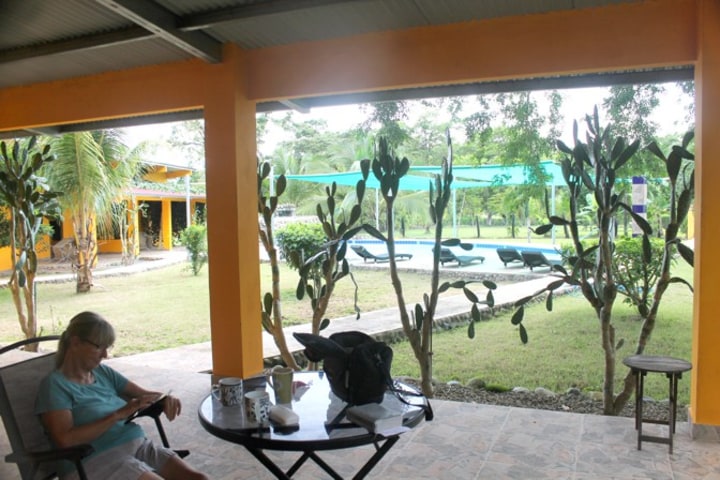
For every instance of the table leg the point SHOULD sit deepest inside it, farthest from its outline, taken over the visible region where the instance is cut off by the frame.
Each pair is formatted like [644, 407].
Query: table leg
[379, 454]
[639, 406]
[637, 397]
[672, 410]
[322, 464]
[380, 451]
[262, 458]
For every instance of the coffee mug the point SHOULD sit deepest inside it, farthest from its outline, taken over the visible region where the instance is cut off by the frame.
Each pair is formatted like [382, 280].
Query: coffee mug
[229, 391]
[257, 406]
[281, 379]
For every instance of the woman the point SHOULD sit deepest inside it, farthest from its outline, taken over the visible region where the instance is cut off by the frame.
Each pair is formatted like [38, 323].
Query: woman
[83, 401]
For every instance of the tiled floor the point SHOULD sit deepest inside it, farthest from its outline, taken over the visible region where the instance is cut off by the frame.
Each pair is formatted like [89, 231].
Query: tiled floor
[465, 441]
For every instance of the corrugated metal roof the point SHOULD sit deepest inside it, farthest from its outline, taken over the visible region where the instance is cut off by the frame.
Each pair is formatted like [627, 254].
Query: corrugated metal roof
[45, 40]
[50, 33]
[33, 22]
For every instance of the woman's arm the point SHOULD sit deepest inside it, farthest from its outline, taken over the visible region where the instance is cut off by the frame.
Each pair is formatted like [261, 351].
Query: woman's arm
[60, 428]
[171, 405]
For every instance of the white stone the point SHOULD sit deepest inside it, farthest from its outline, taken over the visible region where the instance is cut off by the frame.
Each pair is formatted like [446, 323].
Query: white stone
[545, 392]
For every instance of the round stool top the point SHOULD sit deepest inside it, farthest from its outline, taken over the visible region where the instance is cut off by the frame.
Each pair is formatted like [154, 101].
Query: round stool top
[653, 363]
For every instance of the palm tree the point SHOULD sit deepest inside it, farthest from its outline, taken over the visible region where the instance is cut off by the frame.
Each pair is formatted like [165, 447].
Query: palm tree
[95, 171]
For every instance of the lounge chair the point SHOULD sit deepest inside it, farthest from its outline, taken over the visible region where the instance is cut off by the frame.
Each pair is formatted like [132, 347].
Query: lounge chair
[537, 259]
[382, 257]
[509, 255]
[30, 447]
[446, 255]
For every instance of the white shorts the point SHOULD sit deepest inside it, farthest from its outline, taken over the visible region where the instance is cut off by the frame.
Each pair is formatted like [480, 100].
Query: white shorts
[125, 462]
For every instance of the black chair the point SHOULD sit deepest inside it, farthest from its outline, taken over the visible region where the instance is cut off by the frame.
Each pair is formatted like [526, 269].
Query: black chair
[447, 256]
[30, 448]
[382, 257]
[509, 255]
[537, 259]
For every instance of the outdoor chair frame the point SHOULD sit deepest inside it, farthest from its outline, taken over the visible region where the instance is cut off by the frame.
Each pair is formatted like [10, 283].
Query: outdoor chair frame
[383, 257]
[509, 255]
[30, 447]
[447, 256]
[538, 259]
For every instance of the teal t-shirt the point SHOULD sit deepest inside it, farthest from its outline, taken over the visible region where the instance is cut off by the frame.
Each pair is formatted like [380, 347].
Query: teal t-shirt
[89, 403]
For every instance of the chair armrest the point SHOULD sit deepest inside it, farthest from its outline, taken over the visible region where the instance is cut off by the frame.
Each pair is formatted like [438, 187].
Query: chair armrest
[73, 454]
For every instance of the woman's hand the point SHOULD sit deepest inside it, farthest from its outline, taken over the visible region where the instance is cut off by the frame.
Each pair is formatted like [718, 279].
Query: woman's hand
[135, 404]
[171, 407]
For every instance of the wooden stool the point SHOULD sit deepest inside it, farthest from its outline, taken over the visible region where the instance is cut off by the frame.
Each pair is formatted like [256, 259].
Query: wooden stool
[673, 368]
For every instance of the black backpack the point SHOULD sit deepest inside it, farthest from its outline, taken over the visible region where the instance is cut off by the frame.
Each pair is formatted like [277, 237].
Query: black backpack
[357, 366]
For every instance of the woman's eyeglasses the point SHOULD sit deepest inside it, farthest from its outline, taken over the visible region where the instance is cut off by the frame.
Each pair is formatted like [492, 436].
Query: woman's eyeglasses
[98, 347]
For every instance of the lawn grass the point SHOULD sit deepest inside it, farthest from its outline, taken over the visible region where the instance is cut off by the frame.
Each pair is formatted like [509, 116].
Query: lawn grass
[169, 307]
[564, 349]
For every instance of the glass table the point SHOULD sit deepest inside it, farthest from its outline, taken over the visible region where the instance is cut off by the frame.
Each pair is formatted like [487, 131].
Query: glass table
[322, 425]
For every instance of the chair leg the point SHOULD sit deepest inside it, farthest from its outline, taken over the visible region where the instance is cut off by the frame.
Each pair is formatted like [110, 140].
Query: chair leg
[81, 470]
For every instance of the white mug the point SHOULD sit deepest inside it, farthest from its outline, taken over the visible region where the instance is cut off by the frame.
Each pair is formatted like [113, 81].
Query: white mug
[229, 391]
[257, 406]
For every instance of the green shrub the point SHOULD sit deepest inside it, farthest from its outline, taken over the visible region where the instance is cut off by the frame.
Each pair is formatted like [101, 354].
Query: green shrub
[194, 238]
[304, 238]
[633, 277]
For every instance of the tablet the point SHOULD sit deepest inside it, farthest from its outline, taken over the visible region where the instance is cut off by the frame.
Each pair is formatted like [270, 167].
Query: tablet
[147, 409]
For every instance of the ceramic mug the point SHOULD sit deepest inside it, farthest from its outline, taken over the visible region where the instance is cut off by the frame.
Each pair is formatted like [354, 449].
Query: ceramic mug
[257, 406]
[281, 379]
[229, 391]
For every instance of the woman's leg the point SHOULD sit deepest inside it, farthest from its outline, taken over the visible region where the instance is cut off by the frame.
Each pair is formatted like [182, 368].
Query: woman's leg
[149, 476]
[177, 469]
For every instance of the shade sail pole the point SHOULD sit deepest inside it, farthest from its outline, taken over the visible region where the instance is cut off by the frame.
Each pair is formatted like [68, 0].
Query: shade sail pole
[454, 201]
[377, 208]
[552, 210]
[188, 213]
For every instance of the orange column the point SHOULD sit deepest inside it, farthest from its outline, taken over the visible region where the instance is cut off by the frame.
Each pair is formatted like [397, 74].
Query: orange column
[234, 272]
[705, 408]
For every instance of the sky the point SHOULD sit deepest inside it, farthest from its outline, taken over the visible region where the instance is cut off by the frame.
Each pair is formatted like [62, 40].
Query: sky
[578, 103]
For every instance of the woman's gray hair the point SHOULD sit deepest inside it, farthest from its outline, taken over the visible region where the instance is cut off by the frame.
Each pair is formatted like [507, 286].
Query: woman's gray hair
[88, 326]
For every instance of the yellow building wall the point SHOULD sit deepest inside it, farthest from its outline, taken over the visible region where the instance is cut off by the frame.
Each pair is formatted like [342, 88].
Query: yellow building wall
[42, 249]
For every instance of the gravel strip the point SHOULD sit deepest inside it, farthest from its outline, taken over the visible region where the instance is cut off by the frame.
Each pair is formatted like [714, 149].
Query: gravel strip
[573, 401]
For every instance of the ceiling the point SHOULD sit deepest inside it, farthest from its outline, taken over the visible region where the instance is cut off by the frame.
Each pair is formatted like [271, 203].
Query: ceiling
[45, 40]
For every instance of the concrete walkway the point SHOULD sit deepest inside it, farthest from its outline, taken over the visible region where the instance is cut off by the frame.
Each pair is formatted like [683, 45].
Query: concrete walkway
[452, 309]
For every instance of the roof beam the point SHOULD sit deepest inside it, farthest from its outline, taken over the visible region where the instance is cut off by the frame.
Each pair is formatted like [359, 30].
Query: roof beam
[163, 23]
[270, 7]
[85, 42]
[295, 105]
[151, 19]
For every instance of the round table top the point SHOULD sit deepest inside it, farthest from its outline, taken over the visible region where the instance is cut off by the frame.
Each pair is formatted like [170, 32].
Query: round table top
[657, 363]
[316, 407]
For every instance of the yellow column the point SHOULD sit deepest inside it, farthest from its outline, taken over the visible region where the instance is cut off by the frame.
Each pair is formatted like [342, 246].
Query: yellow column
[234, 272]
[133, 219]
[705, 408]
[166, 224]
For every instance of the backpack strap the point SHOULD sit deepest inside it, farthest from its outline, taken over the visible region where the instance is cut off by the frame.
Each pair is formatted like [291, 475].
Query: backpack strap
[401, 394]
